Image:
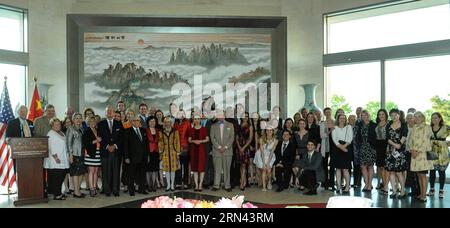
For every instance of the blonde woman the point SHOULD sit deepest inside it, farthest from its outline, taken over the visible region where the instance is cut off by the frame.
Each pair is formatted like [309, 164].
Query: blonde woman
[129, 115]
[419, 143]
[265, 157]
[169, 149]
[74, 137]
[57, 162]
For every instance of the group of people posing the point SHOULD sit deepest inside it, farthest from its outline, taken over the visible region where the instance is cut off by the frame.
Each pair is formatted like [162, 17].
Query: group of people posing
[146, 150]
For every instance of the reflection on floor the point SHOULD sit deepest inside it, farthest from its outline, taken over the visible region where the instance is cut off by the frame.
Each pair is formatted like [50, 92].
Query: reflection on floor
[253, 194]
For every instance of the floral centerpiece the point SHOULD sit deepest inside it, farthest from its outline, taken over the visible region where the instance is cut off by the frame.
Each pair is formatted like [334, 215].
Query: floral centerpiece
[167, 202]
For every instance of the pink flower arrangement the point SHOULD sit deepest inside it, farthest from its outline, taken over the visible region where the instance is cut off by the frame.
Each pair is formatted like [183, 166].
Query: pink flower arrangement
[167, 202]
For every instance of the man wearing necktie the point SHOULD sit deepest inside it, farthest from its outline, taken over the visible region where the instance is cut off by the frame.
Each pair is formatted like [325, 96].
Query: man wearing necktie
[110, 131]
[222, 138]
[143, 115]
[136, 150]
[311, 170]
[285, 156]
[20, 127]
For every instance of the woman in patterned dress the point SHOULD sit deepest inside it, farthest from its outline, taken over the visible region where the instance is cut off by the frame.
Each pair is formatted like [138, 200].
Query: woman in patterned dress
[439, 146]
[419, 143]
[366, 140]
[244, 139]
[396, 163]
[169, 150]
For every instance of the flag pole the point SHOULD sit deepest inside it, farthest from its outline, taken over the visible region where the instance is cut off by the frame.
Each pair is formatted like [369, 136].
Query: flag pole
[9, 156]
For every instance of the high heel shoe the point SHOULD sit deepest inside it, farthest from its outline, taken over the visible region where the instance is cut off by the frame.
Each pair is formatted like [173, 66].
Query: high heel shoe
[431, 192]
[393, 196]
[402, 196]
[441, 194]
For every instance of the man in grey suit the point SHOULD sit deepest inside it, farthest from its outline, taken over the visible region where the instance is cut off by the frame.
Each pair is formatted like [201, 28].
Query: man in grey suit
[222, 138]
[311, 170]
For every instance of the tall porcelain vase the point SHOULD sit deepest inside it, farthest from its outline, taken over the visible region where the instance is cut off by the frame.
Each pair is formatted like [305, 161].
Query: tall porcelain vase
[43, 93]
[310, 97]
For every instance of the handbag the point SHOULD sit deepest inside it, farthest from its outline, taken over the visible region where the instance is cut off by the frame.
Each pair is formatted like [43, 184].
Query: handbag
[432, 156]
[342, 142]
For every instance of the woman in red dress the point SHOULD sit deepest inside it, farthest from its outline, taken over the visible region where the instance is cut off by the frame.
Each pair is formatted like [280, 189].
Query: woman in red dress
[198, 136]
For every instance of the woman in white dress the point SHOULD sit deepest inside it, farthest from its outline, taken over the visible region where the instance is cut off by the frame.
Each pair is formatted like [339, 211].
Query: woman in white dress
[265, 157]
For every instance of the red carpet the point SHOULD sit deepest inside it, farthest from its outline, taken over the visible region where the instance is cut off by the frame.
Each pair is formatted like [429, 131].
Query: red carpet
[310, 205]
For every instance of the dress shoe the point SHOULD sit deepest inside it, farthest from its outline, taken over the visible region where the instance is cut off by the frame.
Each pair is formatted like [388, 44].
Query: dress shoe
[214, 189]
[310, 193]
[132, 193]
[279, 189]
[79, 196]
[116, 194]
[228, 189]
[108, 194]
[143, 192]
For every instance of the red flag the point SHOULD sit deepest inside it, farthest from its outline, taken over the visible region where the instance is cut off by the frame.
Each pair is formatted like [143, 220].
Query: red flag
[36, 106]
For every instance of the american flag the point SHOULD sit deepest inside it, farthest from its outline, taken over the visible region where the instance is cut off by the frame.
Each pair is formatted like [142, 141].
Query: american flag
[7, 174]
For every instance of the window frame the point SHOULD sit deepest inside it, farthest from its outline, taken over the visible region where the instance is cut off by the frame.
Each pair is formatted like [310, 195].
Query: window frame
[383, 54]
[19, 58]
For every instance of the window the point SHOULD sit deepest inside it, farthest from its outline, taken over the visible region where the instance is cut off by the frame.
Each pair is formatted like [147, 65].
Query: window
[352, 86]
[368, 64]
[13, 61]
[412, 83]
[389, 26]
[16, 83]
[12, 28]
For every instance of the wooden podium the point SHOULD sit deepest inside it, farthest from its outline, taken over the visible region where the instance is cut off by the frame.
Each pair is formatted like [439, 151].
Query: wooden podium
[29, 154]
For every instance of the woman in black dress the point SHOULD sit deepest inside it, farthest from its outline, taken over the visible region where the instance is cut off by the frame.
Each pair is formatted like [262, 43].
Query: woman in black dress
[313, 129]
[153, 157]
[380, 147]
[342, 137]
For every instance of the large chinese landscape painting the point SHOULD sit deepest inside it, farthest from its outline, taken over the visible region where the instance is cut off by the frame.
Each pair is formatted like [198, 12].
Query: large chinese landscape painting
[143, 67]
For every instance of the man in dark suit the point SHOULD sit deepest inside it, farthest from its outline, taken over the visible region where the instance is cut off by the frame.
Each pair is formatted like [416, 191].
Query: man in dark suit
[311, 170]
[136, 149]
[110, 131]
[143, 114]
[285, 156]
[20, 127]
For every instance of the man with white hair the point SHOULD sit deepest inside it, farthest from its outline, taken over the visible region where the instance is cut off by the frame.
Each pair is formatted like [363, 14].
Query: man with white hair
[222, 138]
[20, 127]
[110, 131]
